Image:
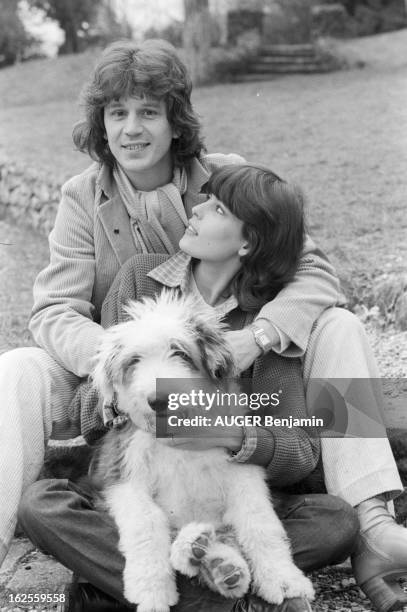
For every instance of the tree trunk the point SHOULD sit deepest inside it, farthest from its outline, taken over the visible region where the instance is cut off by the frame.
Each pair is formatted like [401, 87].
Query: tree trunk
[71, 44]
[197, 38]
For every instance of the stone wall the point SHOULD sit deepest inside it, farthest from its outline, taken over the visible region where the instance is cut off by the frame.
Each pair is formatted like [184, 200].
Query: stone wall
[28, 195]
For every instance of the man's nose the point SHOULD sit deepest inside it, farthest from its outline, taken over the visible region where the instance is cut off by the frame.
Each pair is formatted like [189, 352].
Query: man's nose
[133, 124]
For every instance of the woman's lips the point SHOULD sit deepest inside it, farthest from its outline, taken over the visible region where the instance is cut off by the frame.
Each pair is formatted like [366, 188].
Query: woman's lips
[191, 230]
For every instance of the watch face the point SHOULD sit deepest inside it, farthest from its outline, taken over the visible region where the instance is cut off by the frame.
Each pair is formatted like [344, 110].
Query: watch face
[261, 338]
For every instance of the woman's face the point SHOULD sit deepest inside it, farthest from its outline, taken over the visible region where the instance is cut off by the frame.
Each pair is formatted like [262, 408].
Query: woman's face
[214, 234]
[140, 136]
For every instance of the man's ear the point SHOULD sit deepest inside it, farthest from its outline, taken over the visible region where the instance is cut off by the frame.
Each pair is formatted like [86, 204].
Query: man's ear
[244, 249]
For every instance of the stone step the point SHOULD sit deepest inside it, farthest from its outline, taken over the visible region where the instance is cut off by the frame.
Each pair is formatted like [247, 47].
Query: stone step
[288, 68]
[252, 77]
[291, 50]
[284, 59]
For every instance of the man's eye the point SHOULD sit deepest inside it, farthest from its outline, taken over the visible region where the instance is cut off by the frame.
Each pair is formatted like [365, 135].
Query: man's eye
[149, 112]
[117, 113]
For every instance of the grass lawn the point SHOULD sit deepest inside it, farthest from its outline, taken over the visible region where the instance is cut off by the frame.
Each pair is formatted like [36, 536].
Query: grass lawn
[341, 136]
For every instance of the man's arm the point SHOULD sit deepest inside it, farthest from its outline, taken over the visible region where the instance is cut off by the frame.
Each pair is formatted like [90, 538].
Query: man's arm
[62, 316]
[295, 309]
[288, 319]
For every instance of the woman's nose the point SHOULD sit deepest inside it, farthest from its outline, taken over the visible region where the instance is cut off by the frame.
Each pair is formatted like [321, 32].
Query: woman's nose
[199, 209]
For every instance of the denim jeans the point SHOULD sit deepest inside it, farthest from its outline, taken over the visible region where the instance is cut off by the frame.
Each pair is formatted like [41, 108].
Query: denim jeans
[60, 517]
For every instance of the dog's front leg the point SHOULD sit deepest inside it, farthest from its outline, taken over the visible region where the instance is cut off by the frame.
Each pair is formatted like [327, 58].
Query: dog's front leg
[144, 540]
[263, 539]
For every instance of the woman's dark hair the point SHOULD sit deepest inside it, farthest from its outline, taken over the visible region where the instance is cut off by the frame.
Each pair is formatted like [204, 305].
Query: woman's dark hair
[272, 212]
[153, 69]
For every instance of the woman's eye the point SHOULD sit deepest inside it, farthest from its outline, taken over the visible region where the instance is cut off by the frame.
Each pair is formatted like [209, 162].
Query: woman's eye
[219, 210]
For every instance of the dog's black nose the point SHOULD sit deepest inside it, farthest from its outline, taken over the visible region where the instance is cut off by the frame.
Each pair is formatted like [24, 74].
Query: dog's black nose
[158, 404]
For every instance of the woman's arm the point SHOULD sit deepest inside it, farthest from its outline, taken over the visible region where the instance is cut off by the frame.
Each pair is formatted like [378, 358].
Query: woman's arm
[62, 316]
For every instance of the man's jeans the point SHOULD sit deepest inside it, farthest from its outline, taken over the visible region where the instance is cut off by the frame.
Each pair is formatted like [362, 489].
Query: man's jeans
[60, 517]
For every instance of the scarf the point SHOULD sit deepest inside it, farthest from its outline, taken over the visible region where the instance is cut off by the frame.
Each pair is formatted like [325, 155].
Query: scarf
[157, 218]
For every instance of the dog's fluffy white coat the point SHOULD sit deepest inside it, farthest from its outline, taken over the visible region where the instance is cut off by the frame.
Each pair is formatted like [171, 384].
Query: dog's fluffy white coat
[152, 489]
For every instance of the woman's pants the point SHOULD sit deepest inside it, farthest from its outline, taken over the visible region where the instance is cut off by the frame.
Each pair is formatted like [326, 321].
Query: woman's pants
[59, 517]
[35, 392]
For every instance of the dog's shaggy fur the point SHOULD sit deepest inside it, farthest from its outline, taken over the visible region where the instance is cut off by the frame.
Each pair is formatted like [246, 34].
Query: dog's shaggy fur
[226, 530]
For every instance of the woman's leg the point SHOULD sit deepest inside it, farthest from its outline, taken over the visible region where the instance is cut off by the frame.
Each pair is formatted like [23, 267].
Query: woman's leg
[60, 517]
[34, 393]
[361, 470]
[321, 528]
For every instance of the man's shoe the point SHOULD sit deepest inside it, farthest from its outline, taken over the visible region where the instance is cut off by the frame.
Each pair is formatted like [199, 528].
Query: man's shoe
[252, 603]
[85, 597]
[380, 559]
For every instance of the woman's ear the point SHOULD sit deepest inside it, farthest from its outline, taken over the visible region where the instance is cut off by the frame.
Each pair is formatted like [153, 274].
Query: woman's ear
[244, 249]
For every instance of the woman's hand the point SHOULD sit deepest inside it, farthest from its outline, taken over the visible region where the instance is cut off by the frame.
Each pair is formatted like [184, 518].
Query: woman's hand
[228, 437]
[244, 348]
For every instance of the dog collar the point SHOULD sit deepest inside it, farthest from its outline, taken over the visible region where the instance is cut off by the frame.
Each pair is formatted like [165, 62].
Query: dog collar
[112, 417]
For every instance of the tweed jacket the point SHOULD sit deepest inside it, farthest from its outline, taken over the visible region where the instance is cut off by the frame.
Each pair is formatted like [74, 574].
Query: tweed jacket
[92, 239]
[289, 454]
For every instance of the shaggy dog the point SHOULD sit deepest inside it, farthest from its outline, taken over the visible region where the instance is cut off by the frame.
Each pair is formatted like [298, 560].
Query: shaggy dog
[226, 531]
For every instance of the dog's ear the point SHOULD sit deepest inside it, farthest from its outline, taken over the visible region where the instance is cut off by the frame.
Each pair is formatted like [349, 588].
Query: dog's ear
[105, 370]
[216, 355]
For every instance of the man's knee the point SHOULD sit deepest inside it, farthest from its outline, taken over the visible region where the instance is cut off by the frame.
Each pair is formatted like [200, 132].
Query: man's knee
[33, 505]
[21, 362]
[339, 319]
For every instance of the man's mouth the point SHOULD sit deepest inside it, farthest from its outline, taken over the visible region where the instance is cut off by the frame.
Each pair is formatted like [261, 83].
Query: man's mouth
[191, 230]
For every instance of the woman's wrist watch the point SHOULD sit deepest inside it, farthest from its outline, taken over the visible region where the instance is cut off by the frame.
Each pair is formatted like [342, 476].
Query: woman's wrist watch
[261, 338]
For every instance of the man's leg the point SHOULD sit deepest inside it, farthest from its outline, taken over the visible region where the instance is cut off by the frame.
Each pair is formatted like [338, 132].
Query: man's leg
[361, 470]
[34, 394]
[355, 469]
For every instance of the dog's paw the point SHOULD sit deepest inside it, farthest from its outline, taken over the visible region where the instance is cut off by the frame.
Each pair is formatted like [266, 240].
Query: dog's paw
[224, 570]
[298, 585]
[157, 596]
[190, 547]
[283, 583]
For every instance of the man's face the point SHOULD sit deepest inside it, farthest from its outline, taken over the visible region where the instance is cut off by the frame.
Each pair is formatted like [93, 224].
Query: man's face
[140, 136]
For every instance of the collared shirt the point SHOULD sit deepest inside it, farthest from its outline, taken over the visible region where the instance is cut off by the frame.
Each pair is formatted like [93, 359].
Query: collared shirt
[176, 273]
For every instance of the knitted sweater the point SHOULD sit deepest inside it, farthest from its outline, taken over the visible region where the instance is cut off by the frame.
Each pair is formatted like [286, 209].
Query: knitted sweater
[288, 454]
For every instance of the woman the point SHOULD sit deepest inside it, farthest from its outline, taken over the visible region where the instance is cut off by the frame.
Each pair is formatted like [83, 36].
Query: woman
[241, 247]
[141, 128]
